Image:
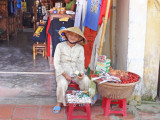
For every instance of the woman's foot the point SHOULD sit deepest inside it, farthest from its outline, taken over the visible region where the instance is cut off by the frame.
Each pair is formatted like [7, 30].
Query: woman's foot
[57, 108]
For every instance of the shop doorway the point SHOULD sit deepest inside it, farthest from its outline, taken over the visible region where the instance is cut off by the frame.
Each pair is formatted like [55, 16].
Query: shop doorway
[28, 14]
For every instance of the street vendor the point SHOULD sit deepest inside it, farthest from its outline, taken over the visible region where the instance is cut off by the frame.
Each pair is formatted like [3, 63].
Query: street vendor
[68, 59]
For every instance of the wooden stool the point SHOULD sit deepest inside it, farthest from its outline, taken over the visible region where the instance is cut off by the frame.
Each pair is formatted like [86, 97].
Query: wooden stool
[70, 108]
[121, 103]
[39, 48]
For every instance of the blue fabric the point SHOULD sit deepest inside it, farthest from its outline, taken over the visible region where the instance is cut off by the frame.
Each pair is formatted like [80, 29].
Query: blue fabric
[12, 6]
[92, 14]
[56, 109]
[19, 4]
[15, 8]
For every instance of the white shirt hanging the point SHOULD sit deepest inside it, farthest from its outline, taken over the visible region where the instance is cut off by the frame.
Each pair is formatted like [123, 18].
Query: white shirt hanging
[79, 11]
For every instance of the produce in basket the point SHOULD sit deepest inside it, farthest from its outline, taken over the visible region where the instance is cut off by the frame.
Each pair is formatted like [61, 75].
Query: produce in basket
[125, 77]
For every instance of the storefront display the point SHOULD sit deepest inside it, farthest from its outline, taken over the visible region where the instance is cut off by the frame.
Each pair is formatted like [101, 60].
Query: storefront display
[110, 85]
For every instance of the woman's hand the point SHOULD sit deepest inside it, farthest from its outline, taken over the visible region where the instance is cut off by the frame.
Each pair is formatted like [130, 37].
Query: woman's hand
[68, 78]
[80, 77]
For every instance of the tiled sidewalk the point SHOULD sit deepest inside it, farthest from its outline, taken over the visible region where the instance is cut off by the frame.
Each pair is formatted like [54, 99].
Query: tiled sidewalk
[44, 112]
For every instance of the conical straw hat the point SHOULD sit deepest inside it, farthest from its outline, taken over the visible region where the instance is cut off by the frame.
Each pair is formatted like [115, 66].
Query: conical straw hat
[75, 30]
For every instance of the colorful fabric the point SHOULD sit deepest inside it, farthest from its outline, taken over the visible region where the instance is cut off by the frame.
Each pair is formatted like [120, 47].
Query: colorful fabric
[90, 37]
[10, 7]
[15, 8]
[19, 4]
[40, 33]
[69, 5]
[103, 11]
[48, 38]
[92, 15]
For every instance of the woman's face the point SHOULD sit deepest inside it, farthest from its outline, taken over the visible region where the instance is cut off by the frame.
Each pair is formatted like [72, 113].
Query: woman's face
[73, 37]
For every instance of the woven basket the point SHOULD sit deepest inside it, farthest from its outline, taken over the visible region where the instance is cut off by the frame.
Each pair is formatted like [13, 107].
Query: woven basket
[115, 90]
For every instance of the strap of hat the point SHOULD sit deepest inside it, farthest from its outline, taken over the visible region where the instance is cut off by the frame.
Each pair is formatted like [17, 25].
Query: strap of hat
[73, 42]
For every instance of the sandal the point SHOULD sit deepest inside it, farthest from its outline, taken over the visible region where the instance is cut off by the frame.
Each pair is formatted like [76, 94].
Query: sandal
[56, 109]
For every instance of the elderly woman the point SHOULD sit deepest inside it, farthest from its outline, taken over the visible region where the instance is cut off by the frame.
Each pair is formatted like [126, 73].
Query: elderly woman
[68, 58]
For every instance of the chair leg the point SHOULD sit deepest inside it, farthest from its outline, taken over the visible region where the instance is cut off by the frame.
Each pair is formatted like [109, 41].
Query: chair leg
[107, 107]
[88, 110]
[67, 107]
[120, 103]
[34, 55]
[124, 108]
[70, 111]
[43, 52]
[36, 51]
[103, 102]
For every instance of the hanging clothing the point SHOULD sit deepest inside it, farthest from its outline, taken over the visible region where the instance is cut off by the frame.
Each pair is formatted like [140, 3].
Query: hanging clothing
[95, 49]
[39, 12]
[83, 13]
[48, 37]
[40, 33]
[55, 27]
[19, 4]
[78, 15]
[103, 11]
[10, 7]
[92, 15]
[69, 59]
[90, 37]
[15, 7]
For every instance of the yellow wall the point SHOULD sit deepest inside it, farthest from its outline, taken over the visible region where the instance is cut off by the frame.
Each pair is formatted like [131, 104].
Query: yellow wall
[152, 51]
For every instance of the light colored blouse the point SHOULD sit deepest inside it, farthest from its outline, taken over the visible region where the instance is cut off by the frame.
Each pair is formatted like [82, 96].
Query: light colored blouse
[67, 59]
